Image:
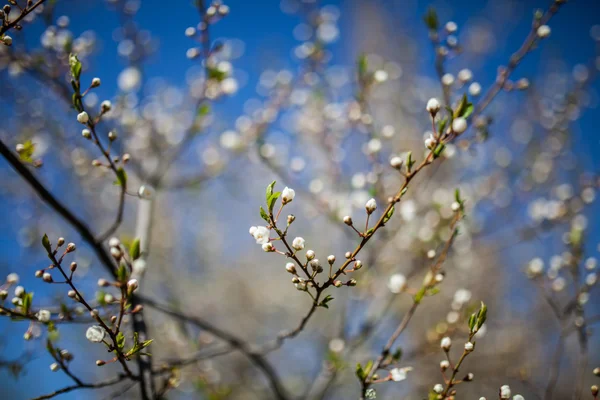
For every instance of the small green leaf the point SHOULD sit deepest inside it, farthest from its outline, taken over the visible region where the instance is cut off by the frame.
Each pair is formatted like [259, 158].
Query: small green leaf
[326, 300]
[360, 372]
[75, 66]
[370, 231]
[264, 215]
[122, 273]
[203, 110]
[362, 66]
[46, 243]
[26, 154]
[134, 250]
[439, 150]
[121, 341]
[272, 199]
[269, 191]
[27, 301]
[420, 294]
[121, 177]
[100, 297]
[431, 19]
[397, 354]
[388, 215]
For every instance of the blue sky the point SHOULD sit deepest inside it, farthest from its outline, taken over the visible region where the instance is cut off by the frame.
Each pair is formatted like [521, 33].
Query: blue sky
[267, 34]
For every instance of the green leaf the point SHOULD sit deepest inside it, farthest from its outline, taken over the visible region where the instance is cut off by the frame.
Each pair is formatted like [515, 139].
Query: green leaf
[75, 66]
[397, 354]
[121, 341]
[409, 161]
[264, 215]
[203, 110]
[360, 372]
[27, 301]
[269, 191]
[439, 150]
[26, 155]
[420, 294]
[464, 108]
[468, 111]
[362, 65]
[100, 297]
[431, 19]
[122, 273]
[46, 243]
[216, 74]
[134, 249]
[388, 215]
[121, 177]
[370, 231]
[272, 199]
[326, 300]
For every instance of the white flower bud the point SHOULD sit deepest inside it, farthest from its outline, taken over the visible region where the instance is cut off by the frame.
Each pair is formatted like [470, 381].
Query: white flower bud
[465, 75]
[451, 27]
[105, 106]
[290, 267]
[86, 133]
[433, 106]
[455, 206]
[19, 291]
[95, 334]
[358, 264]
[310, 255]
[459, 125]
[438, 388]
[54, 367]
[399, 374]
[543, 31]
[287, 195]
[145, 192]
[96, 82]
[397, 283]
[447, 79]
[112, 136]
[430, 142]
[331, 259]
[475, 89]
[70, 248]
[505, 392]
[7, 40]
[371, 206]
[12, 278]
[83, 117]
[190, 31]
[396, 162]
[518, 397]
[444, 365]
[114, 242]
[115, 252]
[446, 343]
[44, 315]
[298, 243]
[348, 220]
[469, 346]
[47, 277]
[268, 247]
[132, 285]
[261, 235]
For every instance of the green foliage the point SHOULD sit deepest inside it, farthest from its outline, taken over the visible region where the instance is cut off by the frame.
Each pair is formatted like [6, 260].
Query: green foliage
[388, 215]
[477, 319]
[325, 301]
[431, 19]
[121, 341]
[134, 249]
[46, 244]
[138, 346]
[121, 177]
[363, 372]
[26, 155]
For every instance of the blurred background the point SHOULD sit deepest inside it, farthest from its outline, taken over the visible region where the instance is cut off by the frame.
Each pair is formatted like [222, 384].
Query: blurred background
[281, 104]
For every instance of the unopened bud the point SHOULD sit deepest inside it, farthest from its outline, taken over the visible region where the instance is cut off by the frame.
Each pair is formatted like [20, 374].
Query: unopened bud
[39, 273]
[73, 266]
[331, 259]
[290, 218]
[60, 241]
[100, 363]
[290, 267]
[358, 264]
[47, 277]
[310, 255]
[337, 283]
[348, 220]
[70, 247]
[352, 282]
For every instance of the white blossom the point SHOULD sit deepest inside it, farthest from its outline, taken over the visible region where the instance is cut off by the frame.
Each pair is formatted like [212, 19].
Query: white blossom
[95, 334]
[451, 27]
[445, 343]
[399, 374]
[83, 117]
[267, 246]
[465, 75]
[298, 243]
[396, 283]
[438, 388]
[287, 195]
[430, 142]
[261, 234]
[12, 278]
[459, 125]
[469, 346]
[505, 392]
[433, 106]
[44, 315]
[371, 206]
[543, 31]
[518, 397]
[474, 89]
